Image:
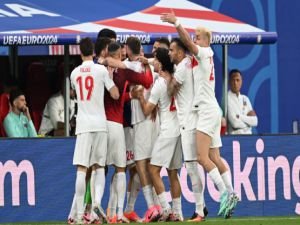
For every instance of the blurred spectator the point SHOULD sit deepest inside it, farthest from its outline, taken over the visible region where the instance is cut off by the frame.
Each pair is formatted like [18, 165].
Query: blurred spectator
[241, 116]
[18, 122]
[53, 120]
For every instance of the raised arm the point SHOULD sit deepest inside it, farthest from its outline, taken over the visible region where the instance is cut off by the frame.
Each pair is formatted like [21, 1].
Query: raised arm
[183, 34]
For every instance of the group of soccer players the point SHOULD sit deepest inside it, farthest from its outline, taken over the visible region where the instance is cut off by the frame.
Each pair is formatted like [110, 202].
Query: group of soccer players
[158, 110]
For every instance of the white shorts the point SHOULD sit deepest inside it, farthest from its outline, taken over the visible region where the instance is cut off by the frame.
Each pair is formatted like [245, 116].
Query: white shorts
[167, 153]
[116, 148]
[128, 131]
[188, 142]
[209, 122]
[145, 134]
[90, 149]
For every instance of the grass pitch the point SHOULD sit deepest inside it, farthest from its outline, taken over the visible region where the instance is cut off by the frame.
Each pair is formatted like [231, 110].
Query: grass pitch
[295, 220]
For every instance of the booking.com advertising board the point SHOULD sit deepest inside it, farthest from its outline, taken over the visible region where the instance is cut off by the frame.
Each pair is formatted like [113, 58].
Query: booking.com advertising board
[37, 178]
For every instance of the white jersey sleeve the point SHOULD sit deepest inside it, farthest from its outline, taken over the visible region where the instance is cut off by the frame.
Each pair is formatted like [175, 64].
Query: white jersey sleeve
[108, 82]
[155, 93]
[203, 53]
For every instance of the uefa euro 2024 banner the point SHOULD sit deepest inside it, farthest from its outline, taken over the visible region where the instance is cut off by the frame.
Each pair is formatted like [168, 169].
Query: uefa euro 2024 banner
[37, 178]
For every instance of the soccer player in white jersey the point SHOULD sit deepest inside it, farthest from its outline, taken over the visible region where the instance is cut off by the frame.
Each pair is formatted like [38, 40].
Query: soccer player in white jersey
[167, 148]
[205, 104]
[144, 132]
[182, 87]
[89, 80]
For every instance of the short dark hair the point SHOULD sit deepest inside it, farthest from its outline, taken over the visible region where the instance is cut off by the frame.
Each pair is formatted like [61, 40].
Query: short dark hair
[107, 33]
[14, 93]
[179, 43]
[164, 40]
[101, 43]
[86, 46]
[162, 55]
[113, 47]
[134, 45]
[234, 71]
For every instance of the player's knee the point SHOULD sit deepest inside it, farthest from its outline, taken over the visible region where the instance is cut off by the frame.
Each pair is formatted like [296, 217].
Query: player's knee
[154, 170]
[202, 160]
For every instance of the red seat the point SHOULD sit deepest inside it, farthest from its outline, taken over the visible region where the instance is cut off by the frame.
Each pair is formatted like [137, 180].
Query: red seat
[4, 109]
[37, 91]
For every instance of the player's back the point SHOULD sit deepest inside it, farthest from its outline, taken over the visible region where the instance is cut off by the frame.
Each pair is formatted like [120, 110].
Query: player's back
[88, 80]
[169, 125]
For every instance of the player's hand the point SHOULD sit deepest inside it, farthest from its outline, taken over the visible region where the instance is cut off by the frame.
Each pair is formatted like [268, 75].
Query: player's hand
[111, 72]
[143, 60]
[137, 91]
[168, 17]
[26, 112]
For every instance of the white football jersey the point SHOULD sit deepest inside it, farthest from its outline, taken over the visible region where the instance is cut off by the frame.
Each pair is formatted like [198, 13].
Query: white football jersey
[89, 80]
[169, 126]
[184, 98]
[137, 114]
[204, 79]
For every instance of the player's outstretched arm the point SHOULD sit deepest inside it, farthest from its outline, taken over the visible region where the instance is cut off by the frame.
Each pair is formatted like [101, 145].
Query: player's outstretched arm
[183, 34]
[109, 61]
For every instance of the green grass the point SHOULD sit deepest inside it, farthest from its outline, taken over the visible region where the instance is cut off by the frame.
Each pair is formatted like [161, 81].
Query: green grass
[218, 221]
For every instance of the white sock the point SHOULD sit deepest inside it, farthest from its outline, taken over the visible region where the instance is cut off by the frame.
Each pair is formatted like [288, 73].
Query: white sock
[147, 190]
[217, 179]
[155, 197]
[121, 190]
[163, 201]
[92, 187]
[197, 186]
[72, 213]
[227, 181]
[113, 197]
[176, 206]
[79, 192]
[99, 186]
[135, 188]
